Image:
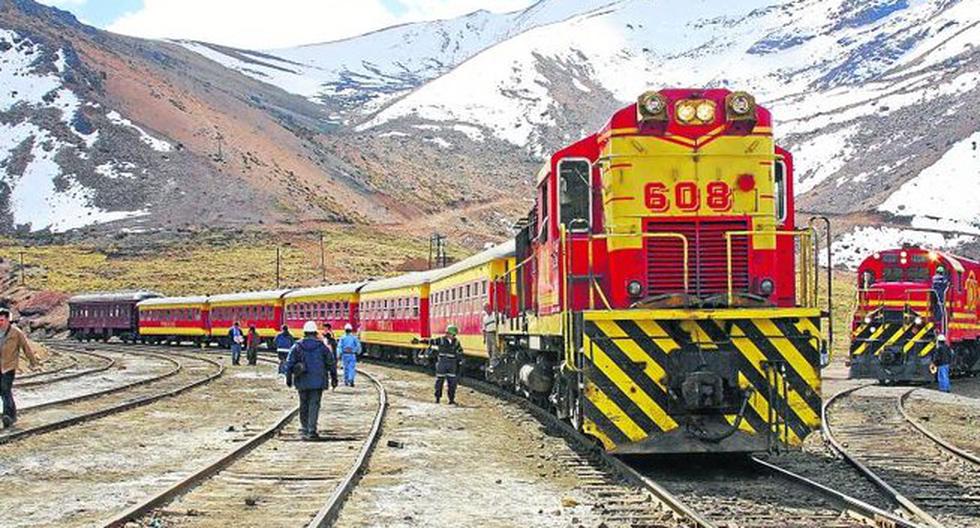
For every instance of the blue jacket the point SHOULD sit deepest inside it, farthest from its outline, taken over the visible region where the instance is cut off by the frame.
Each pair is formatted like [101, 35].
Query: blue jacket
[284, 341]
[348, 341]
[313, 353]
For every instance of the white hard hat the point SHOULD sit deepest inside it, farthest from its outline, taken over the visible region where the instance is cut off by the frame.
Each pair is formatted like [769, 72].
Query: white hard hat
[309, 327]
[348, 326]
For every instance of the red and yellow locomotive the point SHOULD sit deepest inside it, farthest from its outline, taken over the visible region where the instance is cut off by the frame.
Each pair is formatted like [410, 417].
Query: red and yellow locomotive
[661, 303]
[901, 314]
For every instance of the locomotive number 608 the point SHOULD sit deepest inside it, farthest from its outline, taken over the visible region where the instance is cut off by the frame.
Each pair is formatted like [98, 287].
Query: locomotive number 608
[687, 196]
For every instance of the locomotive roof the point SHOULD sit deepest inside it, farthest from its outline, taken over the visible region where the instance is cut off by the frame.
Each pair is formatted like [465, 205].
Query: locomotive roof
[121, 296]
[167, 301]
[330, 289]
[505, 250]
[953, 260]
[415, 278]
[265, 295]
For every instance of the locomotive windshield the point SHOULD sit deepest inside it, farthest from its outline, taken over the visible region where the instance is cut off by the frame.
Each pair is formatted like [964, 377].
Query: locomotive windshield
[910, 274]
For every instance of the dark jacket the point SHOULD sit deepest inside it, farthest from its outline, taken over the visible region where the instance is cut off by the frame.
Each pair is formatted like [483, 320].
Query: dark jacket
[448, 354]
[943, 355]
[313, 353]
[332, 343]
[285, 341]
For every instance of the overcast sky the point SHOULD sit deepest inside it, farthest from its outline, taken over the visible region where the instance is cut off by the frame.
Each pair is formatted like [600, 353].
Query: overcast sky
[266, 24]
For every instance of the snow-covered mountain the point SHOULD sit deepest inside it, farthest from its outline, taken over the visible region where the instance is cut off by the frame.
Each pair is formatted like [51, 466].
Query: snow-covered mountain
[876, 98]
[364, 73]
[873, 96]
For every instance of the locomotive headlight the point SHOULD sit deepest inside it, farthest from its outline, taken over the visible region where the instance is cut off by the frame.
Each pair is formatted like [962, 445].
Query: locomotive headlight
[634, 289]
[741, 106]
[706, 111]
[918, 320]
[867, 319]
[686, 112]
[766, 287]
[652, 106]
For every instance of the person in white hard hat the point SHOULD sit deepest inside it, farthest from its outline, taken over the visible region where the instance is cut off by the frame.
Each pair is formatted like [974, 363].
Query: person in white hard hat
[349, 347]
[306, 369]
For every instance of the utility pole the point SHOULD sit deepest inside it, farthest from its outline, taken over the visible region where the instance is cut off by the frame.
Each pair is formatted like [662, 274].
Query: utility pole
[278, 266]
[323, 262]
[437, 251]
[23, 281]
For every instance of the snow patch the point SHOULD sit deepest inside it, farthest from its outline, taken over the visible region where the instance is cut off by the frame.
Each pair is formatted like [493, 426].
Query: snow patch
[439, 142]
[852, 248]
[158, 145]
[821, 157]
[42, 196]
[947, 193]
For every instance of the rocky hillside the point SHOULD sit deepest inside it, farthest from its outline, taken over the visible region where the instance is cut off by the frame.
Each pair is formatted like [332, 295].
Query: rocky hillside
[423, 125]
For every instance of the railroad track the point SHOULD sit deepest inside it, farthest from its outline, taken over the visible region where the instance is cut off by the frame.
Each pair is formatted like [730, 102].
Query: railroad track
[96, 363]
[274, 479]
[749, 493]
[187, 373]
[931, 482]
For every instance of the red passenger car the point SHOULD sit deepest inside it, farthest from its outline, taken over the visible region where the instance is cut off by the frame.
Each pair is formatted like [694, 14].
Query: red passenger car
[105, 315]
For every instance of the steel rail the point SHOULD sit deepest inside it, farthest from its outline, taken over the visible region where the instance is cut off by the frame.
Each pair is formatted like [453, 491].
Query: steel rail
[667, 499]
[176, 368]
[131, 404]
[875, 516]
[329, 512]
[73, 362]
[939, 441]
[325, 516]
[33, 381]
[868, 473]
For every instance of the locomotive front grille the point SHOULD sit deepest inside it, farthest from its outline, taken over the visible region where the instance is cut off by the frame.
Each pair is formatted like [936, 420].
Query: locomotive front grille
[707, 259]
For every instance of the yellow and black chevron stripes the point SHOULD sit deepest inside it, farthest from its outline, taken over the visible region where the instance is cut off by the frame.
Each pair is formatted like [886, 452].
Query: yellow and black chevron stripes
[873, 339]
[633, 370]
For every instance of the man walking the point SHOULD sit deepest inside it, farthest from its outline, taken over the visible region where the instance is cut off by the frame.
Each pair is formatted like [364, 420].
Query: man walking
[284, 343]
[449, 355]
[350, 348]
[306, 369]
[252, 345]
[331, 342]
[941, 359]
[12, 343]
[236, 337]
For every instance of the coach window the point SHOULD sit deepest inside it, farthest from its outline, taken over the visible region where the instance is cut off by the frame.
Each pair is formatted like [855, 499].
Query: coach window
[779, 187]
[574, 193]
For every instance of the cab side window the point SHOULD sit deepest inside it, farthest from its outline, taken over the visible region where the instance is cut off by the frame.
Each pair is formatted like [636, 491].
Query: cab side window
[779, 188]
[574, 196]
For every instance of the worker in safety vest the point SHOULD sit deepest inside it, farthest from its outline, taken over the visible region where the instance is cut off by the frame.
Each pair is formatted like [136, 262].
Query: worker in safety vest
[940, 283]
[449, 355]
[350, 348]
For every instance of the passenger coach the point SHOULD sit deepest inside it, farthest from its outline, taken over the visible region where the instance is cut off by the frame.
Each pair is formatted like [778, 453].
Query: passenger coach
[105, 315]
[175, 320]
[395, 312]
[337, 304]
[262, 309]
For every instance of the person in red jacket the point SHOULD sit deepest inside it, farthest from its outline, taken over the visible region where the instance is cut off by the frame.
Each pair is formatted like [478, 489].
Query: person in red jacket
[253, 342]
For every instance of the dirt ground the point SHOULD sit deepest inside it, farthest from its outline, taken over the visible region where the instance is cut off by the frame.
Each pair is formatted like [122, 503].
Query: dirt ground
[79, 475]
[955, 416]
[482, 463]
[128, 368]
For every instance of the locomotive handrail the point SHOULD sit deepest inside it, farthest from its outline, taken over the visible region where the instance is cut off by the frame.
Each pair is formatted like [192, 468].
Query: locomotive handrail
[806, 237]
[644, 236]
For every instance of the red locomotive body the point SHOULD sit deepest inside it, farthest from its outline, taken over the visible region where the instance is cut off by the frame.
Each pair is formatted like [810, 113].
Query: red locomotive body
[900, 314]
